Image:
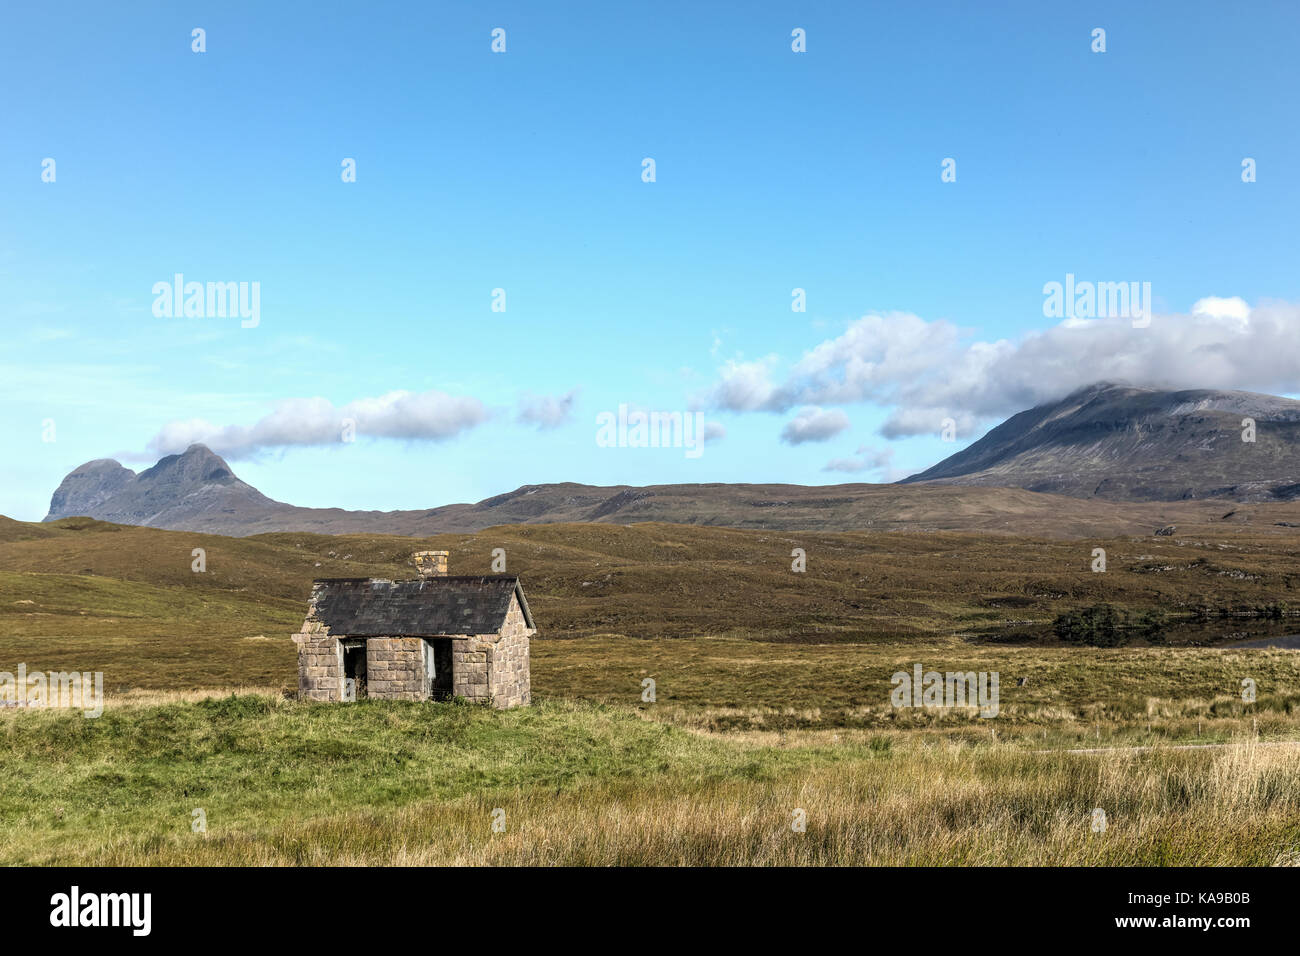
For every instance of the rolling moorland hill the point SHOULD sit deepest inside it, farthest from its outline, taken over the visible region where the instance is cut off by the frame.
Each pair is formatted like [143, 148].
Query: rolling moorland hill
[1105, 448]
[197, 491]
[85, 593]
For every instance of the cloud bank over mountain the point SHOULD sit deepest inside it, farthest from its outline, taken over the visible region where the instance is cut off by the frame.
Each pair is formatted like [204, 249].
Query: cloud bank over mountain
[930, 375]
[928, 371]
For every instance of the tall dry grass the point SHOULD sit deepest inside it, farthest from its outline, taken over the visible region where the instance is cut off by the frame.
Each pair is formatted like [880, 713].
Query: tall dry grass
[603, 788]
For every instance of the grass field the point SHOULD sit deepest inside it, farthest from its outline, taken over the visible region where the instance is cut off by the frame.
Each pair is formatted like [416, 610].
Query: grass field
[772, 693]
[287, 783]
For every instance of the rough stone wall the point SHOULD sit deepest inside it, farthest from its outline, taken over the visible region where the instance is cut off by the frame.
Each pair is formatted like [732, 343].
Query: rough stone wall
[320, 663]
[486, 668]
[510, 684]
[395, 668]
[471, 657]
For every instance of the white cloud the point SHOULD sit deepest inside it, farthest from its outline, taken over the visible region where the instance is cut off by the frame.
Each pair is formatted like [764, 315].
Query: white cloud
[850, 465]
[745, 386]
[917, 420]
[1212, 305]
[714, 432]
[927, 371]
[814, 424]
[865, 459]
[547, 411]
[427, 416]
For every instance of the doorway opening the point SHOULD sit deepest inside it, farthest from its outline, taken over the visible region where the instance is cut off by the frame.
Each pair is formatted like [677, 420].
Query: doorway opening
[437, 667]
[354, 670]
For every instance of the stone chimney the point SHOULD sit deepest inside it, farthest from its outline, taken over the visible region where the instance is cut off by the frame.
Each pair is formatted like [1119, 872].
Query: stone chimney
[431, 564]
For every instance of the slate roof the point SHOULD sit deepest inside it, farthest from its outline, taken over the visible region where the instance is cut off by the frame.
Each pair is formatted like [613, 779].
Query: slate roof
[426, 607]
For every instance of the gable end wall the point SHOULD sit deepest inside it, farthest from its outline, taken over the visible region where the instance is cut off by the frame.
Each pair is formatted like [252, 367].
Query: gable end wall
[510, 683]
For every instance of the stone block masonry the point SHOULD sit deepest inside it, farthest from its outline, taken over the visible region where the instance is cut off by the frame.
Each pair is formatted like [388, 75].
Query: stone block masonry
[395, 668]
[320, 664]
[511, 685]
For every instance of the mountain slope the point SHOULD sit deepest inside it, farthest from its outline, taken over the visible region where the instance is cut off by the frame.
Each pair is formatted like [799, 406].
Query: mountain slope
[177, 492]
[1139, 444]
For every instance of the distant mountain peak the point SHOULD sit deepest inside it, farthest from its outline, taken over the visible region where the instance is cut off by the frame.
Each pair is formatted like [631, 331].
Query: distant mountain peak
[196, 463]
[1141, 443]
[87, 487]
[175, 490]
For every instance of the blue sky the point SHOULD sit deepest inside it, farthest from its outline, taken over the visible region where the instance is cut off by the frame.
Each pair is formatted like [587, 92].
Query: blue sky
[522, 171]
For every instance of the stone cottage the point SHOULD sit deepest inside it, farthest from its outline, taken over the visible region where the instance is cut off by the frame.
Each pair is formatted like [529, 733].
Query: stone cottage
[428, 639]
